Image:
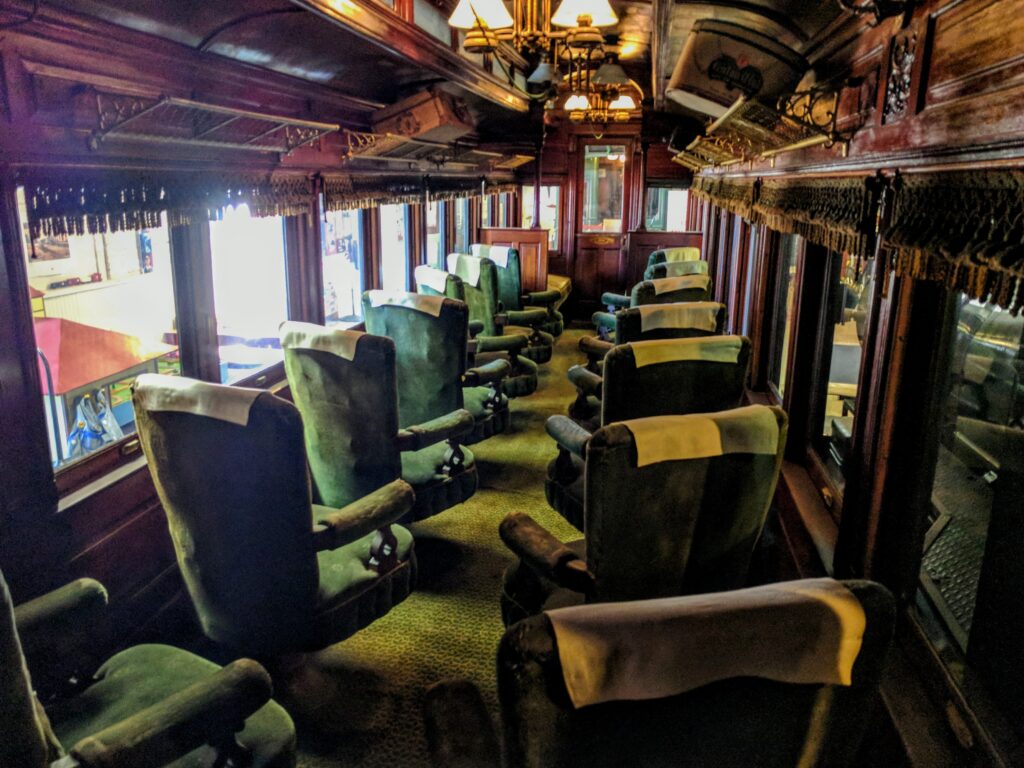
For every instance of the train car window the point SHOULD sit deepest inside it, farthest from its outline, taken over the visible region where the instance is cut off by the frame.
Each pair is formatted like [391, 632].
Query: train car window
[103, 311]
[435, 226]
[249, 290]
[432, 20]
[394, 247]
[604, 180]
[461, 213]
[548, 211]
[666, 209]
[846, 306]
[783, 311]
[342, 261]
[503, 199]
[485, 211]
[971, 568]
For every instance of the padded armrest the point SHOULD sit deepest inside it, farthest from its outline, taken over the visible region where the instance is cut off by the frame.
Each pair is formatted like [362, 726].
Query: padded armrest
[209, 711]
[338, 527]
[475, 327]
[592, 345]
[489, 373]
[542, 298]
[513, 342]
[615, 300]
[451, 425]
[568, 434]
[587, 382]
[604, 320]
[460, 733]
[545, 554]
[528, 317]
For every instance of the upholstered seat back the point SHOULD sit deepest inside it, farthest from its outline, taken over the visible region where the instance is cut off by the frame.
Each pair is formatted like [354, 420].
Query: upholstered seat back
[655, 378]
[681, 320]
[509, 273]
[675, 504]
[675, 269]
[430, 353]
[671, 289]
[685, 253]
[739, 721]
[229, 467]
[480, 283]
[344, 384]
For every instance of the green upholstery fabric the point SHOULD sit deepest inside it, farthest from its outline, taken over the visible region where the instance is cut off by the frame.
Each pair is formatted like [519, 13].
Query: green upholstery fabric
[350, 413]
[662, 255]
[736, 722]
[510, 294]
[644, 293]
[631, 392]
[430, 356]
[146, 674]
[238, 506]
[670, 528]
[675, 268]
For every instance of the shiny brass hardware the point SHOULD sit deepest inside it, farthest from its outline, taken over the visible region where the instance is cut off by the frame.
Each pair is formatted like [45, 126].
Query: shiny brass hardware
[827, 497]
[959, 726]
[131, 447]
[602, 240]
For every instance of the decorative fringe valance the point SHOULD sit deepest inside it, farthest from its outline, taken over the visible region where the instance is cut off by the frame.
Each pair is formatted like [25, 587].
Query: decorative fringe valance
[60, 203]
[735, 196]
[964, 229]
[348, 192]
[838, 214]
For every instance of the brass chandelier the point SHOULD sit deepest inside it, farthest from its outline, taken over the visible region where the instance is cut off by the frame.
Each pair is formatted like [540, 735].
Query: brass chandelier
[530, 28]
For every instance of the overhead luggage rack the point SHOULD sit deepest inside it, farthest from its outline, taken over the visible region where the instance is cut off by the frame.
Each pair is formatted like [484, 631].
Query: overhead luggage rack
[385, 147]
[170, 120]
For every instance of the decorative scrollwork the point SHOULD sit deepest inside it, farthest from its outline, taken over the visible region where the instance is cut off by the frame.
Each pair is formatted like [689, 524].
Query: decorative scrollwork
[880, 9]
[815, 108]
[897, 87]
[113, 109]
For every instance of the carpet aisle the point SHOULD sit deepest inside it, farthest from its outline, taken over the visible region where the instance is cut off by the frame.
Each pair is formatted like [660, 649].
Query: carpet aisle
[367, 706]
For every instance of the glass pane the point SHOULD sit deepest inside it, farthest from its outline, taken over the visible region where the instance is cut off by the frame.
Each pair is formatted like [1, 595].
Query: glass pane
[434, 250]
[485, 211]
[103, 310]
[666, 209]
[503, 210]
[343, 267]
[604, 175]
[782, 324]
[394, 254]
[249, 291]
[848, 304]
[461, 244]
[548, 212]
[431, 20]
[971, 571]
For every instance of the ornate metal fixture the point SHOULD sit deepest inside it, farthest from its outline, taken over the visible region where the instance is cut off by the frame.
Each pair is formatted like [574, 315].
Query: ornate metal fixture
[881, 9]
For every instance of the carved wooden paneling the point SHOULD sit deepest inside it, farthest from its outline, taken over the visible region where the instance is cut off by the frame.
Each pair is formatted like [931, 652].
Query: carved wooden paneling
[639, 245]
[599, 267]
[532, 245]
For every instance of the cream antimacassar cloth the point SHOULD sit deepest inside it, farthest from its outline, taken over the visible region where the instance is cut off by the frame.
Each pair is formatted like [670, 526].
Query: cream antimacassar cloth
[708, 349]
[466, 267]
[428, 305]
[156, 392]
[698, 315]
[677, 268]
[752, 429]
[688, 253]
[296, 335]
[666, 284]
[807, 632]
[432, 277]
[496, 253]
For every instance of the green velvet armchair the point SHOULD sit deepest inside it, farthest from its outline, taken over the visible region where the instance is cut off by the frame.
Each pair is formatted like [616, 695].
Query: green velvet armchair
[642, 379]
[269, 572]
[431, 336]
[681, 320]
[675, 269]
[522, 379]
[345, 385]
[481, 279]
[667, 255]
[148, 705]
[672, 505]
[711, 707]
[667, 290]
[510, 287]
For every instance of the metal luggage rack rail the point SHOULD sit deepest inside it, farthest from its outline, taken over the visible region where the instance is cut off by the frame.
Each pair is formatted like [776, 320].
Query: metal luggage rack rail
[171, 120]
[392, 147]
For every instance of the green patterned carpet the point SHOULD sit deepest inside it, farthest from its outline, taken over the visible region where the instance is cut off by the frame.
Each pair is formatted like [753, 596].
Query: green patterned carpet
[366, 710]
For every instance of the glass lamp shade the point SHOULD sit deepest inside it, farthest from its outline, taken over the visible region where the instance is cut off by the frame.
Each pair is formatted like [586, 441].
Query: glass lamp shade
[544, 74]
[599, 11]
[610, 73]
[623, 101]
[577, 102]
[492, 13]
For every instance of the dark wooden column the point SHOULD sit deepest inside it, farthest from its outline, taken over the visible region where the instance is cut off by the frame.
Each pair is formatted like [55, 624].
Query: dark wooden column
[304, 266]
[641, 224]
[192, 274]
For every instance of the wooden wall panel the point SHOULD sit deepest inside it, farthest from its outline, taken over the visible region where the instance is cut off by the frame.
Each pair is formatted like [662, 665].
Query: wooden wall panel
[599, 267]
[532, 245]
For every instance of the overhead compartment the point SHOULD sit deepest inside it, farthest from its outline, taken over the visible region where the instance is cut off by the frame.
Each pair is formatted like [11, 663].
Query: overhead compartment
[722, 61]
